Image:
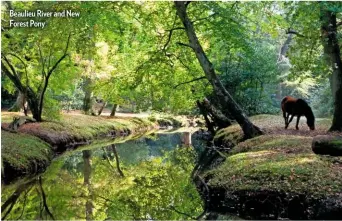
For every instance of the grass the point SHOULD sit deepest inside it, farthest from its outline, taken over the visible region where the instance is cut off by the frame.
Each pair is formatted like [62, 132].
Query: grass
[21, 150]
[78, 127]
[277, 162]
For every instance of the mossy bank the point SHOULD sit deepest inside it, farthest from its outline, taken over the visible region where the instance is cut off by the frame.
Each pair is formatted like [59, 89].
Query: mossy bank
[31, 149]
[274, 176]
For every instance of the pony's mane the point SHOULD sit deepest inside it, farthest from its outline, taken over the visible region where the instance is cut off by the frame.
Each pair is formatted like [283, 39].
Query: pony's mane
[308, 111]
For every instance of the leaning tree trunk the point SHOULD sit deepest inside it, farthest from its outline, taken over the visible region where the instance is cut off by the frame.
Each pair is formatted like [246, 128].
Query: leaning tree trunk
[204, 112]
[19, 104]
[101, 109]
[112, 114]
[332, 51]
[219, 118]
[227, 100]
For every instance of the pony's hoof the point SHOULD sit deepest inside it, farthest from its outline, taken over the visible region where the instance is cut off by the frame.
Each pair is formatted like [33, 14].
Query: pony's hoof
[297, 128]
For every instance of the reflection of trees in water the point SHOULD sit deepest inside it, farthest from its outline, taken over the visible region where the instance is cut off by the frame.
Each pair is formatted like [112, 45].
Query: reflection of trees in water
[74, 164]
[74, 185]
[8, 205]
[108, 158]
[22, 191]
[87, 171]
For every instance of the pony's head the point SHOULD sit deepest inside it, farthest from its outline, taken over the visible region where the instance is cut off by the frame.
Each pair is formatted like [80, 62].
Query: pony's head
[311, 123]
[310, 119]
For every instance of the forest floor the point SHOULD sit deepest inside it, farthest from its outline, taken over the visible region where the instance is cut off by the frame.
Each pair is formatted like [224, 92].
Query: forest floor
[276, 175]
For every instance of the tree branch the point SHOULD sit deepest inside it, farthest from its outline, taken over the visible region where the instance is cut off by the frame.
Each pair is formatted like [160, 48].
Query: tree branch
[186, 45]
[290, 31]
[170, 35]
[63, 56]
[180, 212]
[14, 55]
[14, 78]
[42, 60]
[196, 79]
[49, 74]
[201, 19]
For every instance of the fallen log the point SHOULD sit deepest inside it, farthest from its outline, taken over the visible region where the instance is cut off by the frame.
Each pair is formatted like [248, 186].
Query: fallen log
[327, 145]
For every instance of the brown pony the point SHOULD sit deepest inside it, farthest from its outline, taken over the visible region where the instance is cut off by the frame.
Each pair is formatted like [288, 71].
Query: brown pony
[297, 107]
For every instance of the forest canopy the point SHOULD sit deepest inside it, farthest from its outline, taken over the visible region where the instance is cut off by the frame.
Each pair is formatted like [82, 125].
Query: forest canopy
[141, 56]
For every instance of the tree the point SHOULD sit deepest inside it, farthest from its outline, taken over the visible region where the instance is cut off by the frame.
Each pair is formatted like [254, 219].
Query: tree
[332, 50]
[317, 30]
[35, 99]
[228, 102]
[31, 59]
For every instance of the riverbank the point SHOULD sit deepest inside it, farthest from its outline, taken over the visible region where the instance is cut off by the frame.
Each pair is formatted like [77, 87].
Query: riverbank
[31, 149]
[275, 175]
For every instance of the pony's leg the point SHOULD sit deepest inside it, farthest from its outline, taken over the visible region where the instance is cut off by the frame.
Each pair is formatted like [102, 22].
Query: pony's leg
[285, 118]
[290, 120]
[287, 122]
[298, 117]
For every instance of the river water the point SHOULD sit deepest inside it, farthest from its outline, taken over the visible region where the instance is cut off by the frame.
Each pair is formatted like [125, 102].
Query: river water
[145, 178]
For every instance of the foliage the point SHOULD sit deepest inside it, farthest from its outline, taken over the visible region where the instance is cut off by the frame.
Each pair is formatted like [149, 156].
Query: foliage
[322, 101]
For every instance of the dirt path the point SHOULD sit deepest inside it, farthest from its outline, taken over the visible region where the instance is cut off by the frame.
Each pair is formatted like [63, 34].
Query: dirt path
[117, 114]
[277, 127]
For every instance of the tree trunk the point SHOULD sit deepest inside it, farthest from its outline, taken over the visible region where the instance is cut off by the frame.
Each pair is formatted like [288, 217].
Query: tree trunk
[112, 114]
[87, 104]
[204, 112]
[33, 103]
[332, 51]
[219, 118]
[102, 107]
[227, 101]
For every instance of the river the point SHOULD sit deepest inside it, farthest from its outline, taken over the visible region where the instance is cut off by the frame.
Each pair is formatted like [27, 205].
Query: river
[146, 178]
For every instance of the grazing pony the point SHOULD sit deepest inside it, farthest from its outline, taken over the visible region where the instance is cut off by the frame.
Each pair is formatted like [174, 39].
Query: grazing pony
[297, 107]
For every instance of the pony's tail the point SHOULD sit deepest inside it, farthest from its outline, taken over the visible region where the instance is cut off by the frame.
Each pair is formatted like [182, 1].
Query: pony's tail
[283, 102]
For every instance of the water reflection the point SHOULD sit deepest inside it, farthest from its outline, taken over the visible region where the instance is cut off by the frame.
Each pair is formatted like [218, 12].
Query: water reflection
[147, 178]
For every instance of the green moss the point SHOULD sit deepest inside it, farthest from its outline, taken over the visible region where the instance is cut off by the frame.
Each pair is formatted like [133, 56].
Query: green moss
[231, 134]
[277, 163]
[337, 142]
[283, 143]
[90, 127]
[21, 150]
